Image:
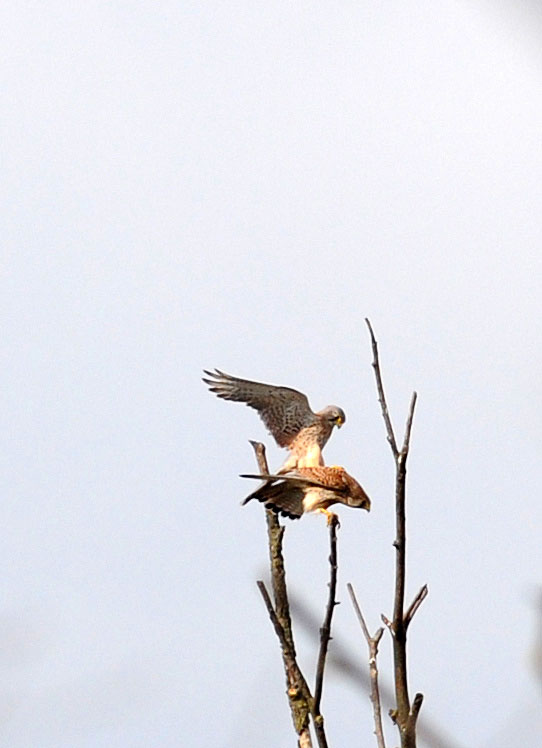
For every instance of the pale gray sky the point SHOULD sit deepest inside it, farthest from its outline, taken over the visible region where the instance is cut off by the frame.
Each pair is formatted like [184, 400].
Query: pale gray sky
[238, 184]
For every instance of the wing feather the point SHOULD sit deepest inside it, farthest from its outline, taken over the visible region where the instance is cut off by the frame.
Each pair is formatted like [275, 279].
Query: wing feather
[320, 477]
[284, 411]
[283, 498]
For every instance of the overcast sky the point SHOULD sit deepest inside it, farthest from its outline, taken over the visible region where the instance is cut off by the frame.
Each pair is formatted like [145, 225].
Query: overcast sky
[238, 184]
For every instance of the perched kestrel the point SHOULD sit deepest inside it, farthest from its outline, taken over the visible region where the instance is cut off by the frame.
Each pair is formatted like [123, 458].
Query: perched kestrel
[309, 489]
[287, 415]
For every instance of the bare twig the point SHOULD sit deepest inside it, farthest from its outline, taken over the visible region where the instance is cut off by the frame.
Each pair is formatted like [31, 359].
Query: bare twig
[413, 716]
[275, 533]
[300, 684]
[402, 715]
[389, 624]
[381, 395]
[399, 629]
[372, 643]
[408, 427]
[415, 604]
[325, 631]
[359, 614]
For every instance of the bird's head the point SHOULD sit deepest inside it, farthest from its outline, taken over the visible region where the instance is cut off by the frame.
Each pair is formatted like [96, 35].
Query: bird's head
[334, 415]
[357, 497]
[363, 502]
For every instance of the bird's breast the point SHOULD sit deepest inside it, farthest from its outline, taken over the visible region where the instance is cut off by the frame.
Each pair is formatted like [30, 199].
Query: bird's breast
[317, 498]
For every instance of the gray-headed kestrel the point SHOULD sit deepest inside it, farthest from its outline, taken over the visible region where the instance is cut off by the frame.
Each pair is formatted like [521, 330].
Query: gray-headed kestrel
[309, 489]
[286, 413]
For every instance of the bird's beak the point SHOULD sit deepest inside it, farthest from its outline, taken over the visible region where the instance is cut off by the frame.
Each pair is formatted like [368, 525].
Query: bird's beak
[339, 422]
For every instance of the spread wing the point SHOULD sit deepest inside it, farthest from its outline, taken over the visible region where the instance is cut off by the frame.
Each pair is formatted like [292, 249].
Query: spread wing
[283, 410]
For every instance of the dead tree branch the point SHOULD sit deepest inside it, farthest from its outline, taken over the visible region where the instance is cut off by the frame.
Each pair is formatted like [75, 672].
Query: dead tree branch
[381, 395]
[403, 715]
[299, 696]
[325, 631]
[372, 643]
[415, 604]
[429, 734]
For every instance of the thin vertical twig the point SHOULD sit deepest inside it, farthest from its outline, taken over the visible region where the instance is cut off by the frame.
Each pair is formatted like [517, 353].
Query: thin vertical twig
[415, 604]
[325, 631]
[372, 643]
[381, 395]
[402, 712]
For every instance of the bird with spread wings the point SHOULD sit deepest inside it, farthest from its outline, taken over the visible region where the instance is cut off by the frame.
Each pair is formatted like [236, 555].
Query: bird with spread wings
[286, 413]
[309, 489]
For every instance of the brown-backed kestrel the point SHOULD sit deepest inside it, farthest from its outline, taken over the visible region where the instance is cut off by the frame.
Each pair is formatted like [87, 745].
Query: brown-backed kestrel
[309, 489]
[287, 415]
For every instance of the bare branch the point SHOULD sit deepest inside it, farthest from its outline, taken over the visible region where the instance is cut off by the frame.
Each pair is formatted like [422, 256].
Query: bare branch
[340, 657]
[301, 701]
[300, 683]
[401, 715]
[372, 643]
[359, 614]
[415, 604]
[381, 395]
[399, 630]
[275, 533]
[259, 451]
[408, 427]
[416, 706]
[389, 625]
[325, 631]
[299, 694]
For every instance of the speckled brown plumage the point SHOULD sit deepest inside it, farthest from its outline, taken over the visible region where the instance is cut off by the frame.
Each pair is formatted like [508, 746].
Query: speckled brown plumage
[286, 413]
[309, 489]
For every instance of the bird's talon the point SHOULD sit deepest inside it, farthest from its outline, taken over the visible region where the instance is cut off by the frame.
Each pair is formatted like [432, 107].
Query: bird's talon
[331, 517]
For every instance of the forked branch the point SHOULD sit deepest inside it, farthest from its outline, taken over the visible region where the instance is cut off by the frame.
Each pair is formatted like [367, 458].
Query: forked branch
[372, 643]
[302, 704]
[403, 715]
[299, 696]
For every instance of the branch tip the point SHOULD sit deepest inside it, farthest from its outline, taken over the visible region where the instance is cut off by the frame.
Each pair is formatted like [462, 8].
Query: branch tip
[381, 395]
[415, 604]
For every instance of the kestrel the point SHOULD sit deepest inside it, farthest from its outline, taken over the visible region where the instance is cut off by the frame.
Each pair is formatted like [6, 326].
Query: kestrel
[309, 489]
[286, 413]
